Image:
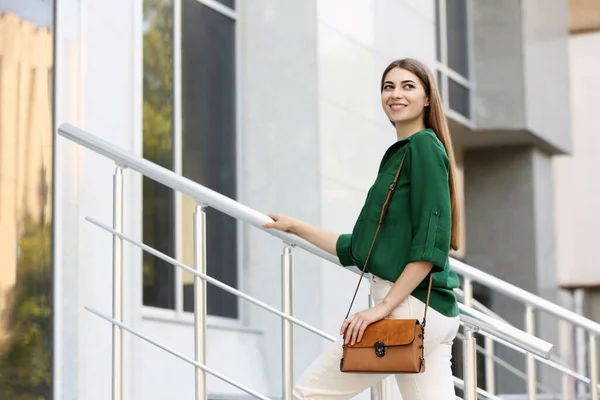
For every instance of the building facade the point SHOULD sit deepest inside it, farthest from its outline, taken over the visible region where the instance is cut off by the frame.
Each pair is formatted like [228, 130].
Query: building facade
[275, 104]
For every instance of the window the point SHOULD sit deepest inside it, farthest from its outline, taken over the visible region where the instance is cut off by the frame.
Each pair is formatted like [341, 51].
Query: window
[209, 143]
[26, 200]
[159, 200]
[453, 57]
[200, 145]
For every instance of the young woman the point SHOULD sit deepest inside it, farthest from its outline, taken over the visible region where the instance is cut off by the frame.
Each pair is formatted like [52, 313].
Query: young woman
[419, 229]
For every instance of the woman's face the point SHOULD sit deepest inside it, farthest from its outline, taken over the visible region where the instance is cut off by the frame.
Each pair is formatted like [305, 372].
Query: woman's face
[403, 96]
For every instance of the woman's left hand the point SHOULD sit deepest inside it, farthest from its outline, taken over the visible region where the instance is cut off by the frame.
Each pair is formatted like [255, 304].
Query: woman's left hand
[354, 326]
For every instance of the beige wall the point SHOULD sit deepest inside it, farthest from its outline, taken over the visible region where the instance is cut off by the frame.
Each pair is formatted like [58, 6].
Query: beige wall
[578, 177]
[584, 15]
[25, 135]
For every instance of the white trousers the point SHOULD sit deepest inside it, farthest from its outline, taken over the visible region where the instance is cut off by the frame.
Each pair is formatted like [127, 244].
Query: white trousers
[323, 380]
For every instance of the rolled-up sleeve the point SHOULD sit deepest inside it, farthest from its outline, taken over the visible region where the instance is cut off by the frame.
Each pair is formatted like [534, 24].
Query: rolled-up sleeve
[431, 213]
[343, 248]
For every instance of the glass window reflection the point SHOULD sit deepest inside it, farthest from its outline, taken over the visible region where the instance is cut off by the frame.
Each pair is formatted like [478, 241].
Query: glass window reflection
[159, 202]
[26, 181]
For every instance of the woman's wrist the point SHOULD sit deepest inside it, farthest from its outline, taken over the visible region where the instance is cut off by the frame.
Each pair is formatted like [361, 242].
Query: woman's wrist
[296, 227]
[386, 306]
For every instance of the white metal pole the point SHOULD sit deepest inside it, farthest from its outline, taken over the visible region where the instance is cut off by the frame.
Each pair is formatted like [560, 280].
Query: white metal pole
[594, 367]
[287, 328]
[470, 364]
[531, 367]
[580, 343]
[200, 309]
[117, 332]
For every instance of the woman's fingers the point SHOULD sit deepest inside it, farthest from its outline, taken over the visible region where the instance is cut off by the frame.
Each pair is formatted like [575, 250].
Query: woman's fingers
[354, 328]
[351, 332]
[355, 332]
[361, 331]
[345, 324]
[275, 218]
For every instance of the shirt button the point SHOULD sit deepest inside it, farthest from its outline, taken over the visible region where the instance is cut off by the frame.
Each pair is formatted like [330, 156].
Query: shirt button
[435, 212]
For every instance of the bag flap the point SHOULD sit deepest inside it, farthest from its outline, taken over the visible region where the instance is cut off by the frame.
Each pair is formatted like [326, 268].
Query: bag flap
[392, 332]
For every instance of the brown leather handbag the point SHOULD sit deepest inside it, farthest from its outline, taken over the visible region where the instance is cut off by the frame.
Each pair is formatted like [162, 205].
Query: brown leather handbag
[392, 346]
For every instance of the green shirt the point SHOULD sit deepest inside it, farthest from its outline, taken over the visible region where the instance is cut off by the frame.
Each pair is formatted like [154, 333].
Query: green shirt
[418, 223]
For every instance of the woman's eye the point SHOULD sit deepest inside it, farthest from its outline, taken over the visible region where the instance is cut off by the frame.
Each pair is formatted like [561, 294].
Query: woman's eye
[388, 87]
[409, 86]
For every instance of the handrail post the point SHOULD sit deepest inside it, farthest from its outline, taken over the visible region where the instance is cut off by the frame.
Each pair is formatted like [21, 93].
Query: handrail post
[287, 328]
[117, 332]
[593, 350]
[531, 367]
[468, 292]
[377, 390]
[490, 365]
[200, 309]
[470, 363]
[580, 346]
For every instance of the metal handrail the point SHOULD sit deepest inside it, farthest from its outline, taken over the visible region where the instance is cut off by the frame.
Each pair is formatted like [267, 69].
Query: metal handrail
[209, 279]
[468, 316]
[203, 367]
[506, 365]
[485, 320]
[206, 197]
[506, 332]
[532, 303]
[239, 211]
[525, 297]
[209, 197]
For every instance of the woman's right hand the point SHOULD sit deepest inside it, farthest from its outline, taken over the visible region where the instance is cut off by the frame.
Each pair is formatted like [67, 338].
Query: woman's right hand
[281, 222]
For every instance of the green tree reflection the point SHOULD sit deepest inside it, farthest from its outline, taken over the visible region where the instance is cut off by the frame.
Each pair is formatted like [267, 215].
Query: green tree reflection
[25, 355]
[158, 145]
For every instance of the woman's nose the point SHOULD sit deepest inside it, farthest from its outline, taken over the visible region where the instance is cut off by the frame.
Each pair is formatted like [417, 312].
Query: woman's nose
[397, 94]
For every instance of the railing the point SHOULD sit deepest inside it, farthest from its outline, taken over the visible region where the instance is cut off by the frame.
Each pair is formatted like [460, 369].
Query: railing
[533, 303]
[472, 320]
[491, 359]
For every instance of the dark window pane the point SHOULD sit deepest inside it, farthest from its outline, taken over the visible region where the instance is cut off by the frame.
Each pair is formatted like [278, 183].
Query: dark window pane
[209, 140]
[438, 38]
[26, 200]
[228, 3]
[158, 206]
[457, 30]
[459, 98]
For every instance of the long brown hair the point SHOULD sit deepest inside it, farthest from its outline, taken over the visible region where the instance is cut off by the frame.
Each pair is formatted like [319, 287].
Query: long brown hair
[435, 119]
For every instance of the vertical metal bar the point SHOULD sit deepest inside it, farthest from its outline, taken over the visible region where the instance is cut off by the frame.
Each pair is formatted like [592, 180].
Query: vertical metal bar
[566, 391]
[470, 364]
[580, 345]
[200, 310]
[468, 291]
[531, 367]
[490, 366]
[377, 390]
[593, 350]
[287, 328]
[117, 332]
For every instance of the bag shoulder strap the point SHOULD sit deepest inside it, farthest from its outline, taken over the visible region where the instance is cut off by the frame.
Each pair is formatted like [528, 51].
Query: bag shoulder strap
[384, 208]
